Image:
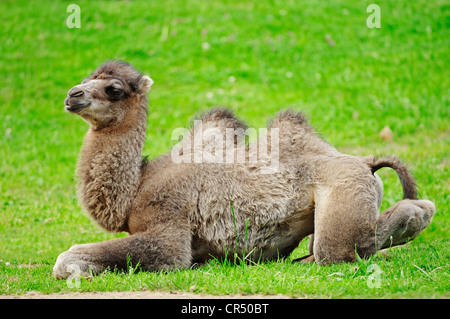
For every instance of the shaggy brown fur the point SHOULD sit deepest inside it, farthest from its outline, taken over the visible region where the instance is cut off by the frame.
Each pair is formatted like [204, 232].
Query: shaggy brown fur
[180, 214]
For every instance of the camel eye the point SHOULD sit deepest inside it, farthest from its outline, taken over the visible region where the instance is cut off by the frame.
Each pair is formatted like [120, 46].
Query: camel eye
[114, 90]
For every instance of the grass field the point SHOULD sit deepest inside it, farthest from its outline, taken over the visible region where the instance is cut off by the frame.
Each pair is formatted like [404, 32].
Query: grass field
[255, 58]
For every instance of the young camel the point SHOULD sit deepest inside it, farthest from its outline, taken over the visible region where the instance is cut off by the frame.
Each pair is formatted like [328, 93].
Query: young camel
[178, 214]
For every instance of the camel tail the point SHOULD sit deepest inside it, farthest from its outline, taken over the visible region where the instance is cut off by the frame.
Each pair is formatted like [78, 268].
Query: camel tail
[406, 179]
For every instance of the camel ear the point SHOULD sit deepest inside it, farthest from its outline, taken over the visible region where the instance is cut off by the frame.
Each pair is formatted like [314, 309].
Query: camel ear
[145, 84]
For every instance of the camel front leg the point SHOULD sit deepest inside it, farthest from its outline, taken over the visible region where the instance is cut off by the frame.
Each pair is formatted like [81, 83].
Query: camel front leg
[168, 250]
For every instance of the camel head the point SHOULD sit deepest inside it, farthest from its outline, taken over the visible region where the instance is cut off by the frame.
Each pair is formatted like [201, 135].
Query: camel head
[107, 95]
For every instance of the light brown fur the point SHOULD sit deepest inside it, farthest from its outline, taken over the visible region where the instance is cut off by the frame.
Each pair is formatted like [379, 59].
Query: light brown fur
[180, 214]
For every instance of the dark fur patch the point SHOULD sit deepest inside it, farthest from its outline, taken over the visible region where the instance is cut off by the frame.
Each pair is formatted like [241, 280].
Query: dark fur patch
[120, 70]
[289, 116]
[222, 115]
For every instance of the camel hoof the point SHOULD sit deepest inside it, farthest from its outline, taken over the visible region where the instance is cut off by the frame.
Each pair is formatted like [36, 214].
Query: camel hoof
[74, 262]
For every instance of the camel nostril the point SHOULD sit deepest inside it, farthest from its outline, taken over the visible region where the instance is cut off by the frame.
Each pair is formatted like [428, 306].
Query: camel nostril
[76, 93]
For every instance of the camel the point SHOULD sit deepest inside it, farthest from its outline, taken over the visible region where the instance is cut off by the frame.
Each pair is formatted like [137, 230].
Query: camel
[178, 214]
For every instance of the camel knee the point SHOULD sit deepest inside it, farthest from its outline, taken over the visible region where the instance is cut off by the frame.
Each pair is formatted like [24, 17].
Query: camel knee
[333, 250]
[327, 258]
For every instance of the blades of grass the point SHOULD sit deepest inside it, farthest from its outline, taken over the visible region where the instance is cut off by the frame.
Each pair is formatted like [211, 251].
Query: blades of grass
[235, 229]
[426, 274]
[358, 258]
[245, 239]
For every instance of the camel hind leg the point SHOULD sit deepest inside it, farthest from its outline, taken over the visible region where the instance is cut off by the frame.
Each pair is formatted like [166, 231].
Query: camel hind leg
[355, 227]
[402, 222]
[347, 219]
[379, 196]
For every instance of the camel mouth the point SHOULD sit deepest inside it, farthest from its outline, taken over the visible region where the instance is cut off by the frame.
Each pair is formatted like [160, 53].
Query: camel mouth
[76, 108]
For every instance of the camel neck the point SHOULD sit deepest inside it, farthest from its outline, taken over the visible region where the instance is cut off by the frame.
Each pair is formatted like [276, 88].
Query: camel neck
[109, 171]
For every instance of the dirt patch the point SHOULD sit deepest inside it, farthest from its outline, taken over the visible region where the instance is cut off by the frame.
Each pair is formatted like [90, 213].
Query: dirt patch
[137, 295]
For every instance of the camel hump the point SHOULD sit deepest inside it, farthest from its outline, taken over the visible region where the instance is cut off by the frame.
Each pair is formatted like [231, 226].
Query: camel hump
[289, 117]
[222, 118]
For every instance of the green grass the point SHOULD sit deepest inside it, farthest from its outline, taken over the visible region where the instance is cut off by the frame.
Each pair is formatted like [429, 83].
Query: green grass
[261, 56]
[407, 272]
